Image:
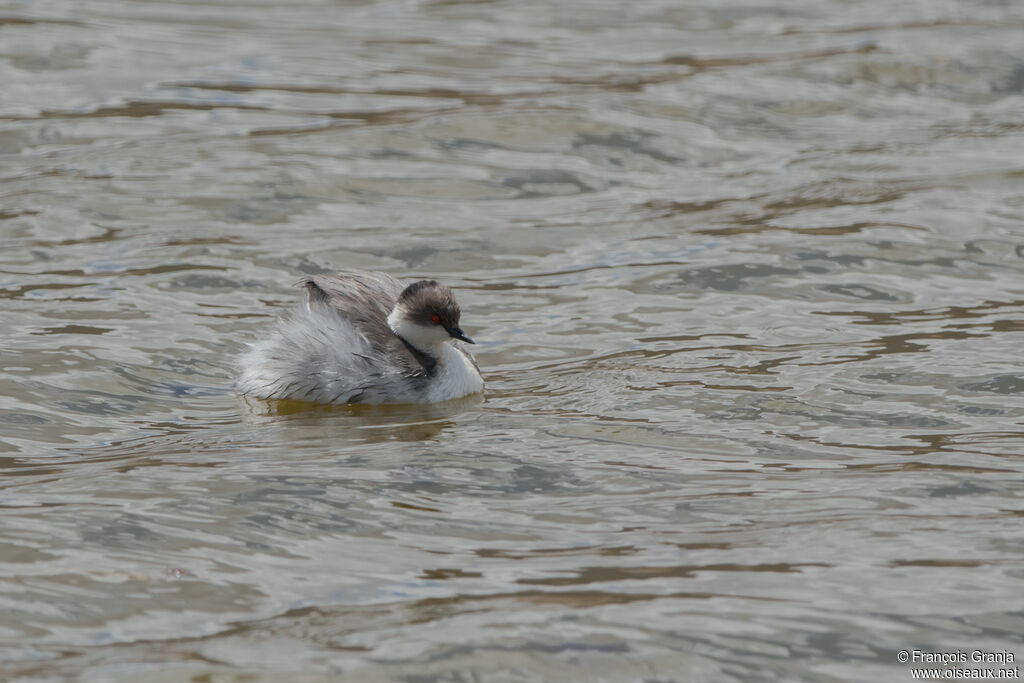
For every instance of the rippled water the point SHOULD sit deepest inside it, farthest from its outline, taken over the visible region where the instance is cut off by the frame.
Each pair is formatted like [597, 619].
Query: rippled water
[747, 278]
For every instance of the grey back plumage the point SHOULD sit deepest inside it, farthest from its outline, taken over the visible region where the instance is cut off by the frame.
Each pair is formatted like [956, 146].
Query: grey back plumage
[365, 299]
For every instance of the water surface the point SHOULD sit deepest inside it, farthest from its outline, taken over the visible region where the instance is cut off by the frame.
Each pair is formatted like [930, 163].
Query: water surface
[748, 282]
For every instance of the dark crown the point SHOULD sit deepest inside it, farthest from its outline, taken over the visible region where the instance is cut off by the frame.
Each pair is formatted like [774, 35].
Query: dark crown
[422, 300]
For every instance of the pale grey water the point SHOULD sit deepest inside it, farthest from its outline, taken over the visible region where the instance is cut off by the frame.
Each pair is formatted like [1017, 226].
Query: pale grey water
[748, 279]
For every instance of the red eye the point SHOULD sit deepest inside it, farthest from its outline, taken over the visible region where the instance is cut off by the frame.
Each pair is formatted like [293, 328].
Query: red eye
[435, 318]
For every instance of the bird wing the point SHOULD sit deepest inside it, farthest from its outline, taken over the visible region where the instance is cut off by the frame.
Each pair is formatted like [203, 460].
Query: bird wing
[365, 299]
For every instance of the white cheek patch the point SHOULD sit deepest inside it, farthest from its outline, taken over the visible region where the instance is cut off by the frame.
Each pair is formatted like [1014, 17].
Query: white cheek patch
[425, 338]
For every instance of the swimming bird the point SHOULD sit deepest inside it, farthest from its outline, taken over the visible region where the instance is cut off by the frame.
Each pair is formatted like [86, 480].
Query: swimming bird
[365, 337]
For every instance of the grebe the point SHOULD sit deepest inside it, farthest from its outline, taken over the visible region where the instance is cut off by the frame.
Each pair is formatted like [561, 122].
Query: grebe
[365, 337]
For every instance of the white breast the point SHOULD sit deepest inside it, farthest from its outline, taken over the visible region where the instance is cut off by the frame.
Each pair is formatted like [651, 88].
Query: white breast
[456, 376]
